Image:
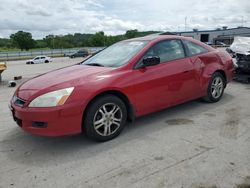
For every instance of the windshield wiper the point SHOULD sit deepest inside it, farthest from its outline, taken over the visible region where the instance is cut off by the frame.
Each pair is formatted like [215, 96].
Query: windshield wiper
[95, 64]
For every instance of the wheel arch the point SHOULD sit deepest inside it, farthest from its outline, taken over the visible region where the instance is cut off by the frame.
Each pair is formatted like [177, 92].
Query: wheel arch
[129, 106]
[210, 70]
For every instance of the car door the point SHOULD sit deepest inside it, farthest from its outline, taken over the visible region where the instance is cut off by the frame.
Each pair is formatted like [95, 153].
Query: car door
[37, 60]
[42, 60]
[171, 82]
[199, 57]
[80, 53]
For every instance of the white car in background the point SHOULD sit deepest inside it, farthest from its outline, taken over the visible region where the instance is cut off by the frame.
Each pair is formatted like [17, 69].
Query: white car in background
[39, 59]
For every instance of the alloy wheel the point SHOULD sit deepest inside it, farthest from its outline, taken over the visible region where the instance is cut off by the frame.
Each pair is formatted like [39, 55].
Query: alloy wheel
[217, 87]
[107, 119]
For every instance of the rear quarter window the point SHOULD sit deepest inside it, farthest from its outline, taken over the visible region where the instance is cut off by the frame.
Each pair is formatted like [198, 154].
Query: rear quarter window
[194, 49]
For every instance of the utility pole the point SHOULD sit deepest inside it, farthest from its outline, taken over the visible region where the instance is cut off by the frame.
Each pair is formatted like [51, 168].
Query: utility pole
[242, 21]
[186, 23]
[53, 42]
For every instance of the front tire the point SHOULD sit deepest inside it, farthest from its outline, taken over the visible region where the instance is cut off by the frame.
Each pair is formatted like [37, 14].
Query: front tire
[105, 118]
[215, 88]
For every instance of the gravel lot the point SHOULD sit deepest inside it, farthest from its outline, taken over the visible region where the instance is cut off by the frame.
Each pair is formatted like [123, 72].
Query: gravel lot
[192, 145]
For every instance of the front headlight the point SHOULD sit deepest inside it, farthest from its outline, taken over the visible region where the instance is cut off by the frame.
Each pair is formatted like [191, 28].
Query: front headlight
[54, 98]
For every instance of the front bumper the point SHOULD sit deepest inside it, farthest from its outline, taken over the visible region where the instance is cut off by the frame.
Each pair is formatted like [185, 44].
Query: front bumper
[244, 66]
[52, 121]
[243, 62]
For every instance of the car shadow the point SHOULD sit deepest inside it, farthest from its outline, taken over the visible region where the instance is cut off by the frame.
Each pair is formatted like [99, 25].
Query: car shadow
[24, 148]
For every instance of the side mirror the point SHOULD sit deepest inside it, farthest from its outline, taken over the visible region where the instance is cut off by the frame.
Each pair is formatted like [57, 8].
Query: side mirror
[151, 61]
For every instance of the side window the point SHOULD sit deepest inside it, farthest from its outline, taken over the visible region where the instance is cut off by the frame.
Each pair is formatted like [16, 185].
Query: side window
[194, 49]
[42, 57]
[167, 50]
[37, 58]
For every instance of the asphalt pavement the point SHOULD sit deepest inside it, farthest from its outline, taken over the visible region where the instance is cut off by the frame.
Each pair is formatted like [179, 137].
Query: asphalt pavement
[193, 145]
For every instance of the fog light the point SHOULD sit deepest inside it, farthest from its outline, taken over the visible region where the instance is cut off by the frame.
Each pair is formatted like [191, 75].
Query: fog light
[39, 124]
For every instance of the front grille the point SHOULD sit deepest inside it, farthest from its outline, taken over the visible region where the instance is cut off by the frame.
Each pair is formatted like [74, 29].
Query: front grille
[18, 101]
[243, 57]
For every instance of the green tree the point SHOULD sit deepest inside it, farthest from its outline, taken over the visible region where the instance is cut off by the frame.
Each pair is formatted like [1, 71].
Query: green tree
[22, 40]
[132, 34]
[49, 40]
[98, 39]
[40, 44]
[5, 43]
[63, 42]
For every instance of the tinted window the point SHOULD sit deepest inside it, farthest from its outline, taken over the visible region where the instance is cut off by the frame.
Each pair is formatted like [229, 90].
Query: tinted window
[37, 58]
[167, 50]
[194, 49]
[42, 57]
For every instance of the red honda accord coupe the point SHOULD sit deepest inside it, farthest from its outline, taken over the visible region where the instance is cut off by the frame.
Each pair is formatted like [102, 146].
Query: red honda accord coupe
[126, 80]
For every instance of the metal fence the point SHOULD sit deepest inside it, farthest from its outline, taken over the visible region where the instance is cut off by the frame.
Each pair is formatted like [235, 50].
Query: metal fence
[6, 56]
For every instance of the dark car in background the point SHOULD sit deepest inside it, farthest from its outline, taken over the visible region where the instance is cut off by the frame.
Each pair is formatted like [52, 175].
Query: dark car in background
[79, 53]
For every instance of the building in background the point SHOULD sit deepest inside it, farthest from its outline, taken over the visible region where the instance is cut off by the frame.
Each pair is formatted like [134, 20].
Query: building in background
[216, 36]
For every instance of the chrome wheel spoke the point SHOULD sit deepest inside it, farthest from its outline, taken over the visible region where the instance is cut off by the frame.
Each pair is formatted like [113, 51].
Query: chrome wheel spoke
[114, 110]
[217, 80]
[109, 130]
[214, 93]
[103, 109]
[99, 121]
[98, 126]
[213, 87]
[217, 93]
[220, 85]
[116, 120]
[116, 123]
[105, 130]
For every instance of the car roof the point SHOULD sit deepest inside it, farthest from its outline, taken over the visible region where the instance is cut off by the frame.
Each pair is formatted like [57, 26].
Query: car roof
[40, 56]
[156, 37]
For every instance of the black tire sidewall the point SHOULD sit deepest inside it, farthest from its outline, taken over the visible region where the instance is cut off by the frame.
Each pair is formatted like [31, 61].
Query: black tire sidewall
[209, 93]
[88, 127]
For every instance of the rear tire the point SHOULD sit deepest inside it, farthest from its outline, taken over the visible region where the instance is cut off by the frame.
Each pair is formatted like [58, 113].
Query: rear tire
[215, 88]
[46, 61]
[105, 118]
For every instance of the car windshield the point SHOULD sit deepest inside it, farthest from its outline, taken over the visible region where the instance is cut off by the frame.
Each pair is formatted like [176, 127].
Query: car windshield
[117, 54]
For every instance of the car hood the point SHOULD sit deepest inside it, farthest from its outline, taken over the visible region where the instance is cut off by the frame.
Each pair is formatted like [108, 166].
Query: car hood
[241, 45]
[61, 78]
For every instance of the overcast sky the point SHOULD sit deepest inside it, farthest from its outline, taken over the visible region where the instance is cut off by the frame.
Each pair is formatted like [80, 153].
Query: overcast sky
[116, 16]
